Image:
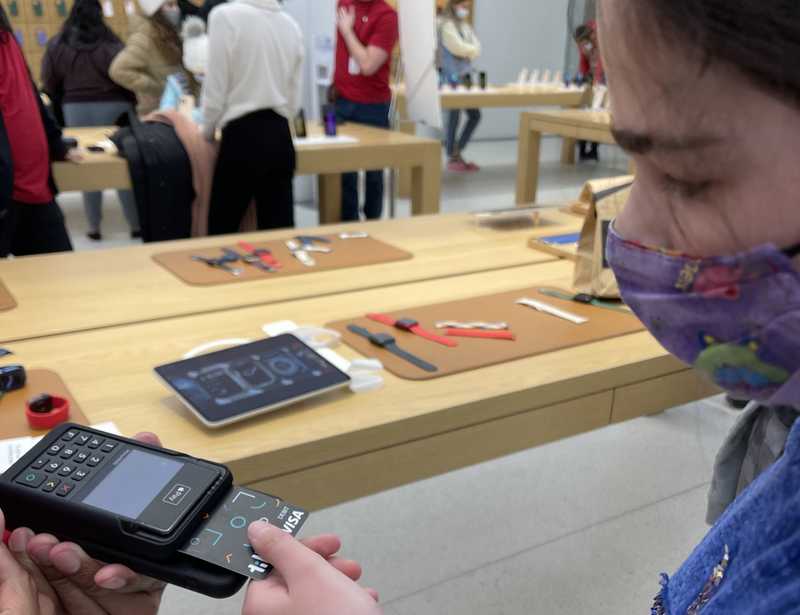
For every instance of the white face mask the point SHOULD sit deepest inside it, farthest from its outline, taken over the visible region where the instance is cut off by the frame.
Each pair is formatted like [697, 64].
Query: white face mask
[462, 12]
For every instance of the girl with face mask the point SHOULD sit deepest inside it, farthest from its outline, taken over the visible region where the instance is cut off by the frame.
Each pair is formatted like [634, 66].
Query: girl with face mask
[153, 52]
[459, 47]
[705, 97]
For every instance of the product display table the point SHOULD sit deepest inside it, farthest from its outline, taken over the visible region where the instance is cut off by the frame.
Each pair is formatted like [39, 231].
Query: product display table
[87, 290]
[345, 446]
[373, 148]
[571, 124]
[497, 97]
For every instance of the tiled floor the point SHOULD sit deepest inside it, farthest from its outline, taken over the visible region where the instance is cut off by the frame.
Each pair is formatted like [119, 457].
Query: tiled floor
[584, 525]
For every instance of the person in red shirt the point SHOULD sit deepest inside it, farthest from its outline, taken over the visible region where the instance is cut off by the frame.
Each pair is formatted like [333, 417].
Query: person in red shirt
[368, 33]
[31, 222]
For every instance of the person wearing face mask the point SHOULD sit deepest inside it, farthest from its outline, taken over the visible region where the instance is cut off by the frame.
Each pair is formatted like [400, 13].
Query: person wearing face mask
[153, 52]
[368, 33]
[706, 254]
[459, 47]
[590, 72]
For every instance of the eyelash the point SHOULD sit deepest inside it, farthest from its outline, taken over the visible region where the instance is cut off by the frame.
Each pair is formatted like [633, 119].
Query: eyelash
[684, 189]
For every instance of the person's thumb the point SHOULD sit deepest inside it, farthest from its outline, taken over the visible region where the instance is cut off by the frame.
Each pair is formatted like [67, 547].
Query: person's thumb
[289, 557]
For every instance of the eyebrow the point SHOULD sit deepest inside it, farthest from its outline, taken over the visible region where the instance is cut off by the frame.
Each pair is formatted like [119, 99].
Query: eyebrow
[643, 143]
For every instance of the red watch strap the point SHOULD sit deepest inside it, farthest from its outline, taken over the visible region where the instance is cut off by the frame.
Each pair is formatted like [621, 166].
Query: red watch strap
[433, 337]
[266, 257]
[383, 319]
[59, 414]
[487, 335]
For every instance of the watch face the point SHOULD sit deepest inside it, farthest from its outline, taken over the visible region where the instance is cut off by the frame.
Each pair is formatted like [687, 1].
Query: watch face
[584, 298]
[382, 339]
[406, 324]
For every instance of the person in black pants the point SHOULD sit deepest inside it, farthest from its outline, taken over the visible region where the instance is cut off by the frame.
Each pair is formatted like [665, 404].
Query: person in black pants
[256, 161]
[31, 221]
[252, 106]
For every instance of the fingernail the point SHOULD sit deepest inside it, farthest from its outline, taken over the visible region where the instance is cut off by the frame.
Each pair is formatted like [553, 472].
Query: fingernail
[67, 562]
[42, 555]
[19, 540]
[112, 583]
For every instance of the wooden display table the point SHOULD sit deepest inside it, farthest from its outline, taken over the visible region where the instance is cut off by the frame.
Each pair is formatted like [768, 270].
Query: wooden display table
[86, 290]
[375, 149]
[572, 124]
[503, 97]
[346, 446]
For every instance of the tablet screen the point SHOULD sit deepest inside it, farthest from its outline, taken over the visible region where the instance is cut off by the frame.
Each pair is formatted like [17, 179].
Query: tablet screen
[233, 383]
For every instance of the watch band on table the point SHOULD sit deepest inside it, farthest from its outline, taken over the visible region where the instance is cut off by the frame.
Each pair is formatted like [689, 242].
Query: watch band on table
[265, 255]
[585, 299]
[47, 411]
[387, 342]
[412, 326]
[482, 334]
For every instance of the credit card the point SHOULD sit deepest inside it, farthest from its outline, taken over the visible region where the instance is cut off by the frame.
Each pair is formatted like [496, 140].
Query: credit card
[222, 537]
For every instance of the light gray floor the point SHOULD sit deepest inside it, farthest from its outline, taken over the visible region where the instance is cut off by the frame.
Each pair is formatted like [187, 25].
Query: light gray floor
[584, 525]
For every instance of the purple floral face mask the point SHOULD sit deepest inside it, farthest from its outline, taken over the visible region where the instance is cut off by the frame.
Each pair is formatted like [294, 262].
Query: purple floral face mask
[736, 318]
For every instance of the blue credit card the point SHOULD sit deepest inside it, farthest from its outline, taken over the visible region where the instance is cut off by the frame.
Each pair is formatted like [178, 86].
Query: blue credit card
[561, 240]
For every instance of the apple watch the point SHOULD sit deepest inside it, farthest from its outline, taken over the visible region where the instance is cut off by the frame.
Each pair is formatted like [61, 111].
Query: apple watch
[412, 326]
[387, 342]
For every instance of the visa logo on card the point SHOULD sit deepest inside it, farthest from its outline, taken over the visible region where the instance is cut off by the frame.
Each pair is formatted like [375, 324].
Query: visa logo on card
[222, 537]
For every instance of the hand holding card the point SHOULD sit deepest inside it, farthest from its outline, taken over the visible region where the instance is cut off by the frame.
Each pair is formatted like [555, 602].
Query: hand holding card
[303, 583]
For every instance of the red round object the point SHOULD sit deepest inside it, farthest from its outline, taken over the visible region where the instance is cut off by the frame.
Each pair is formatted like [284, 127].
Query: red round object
[47, 420]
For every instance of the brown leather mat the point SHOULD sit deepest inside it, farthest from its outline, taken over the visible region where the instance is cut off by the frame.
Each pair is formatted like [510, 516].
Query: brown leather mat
[346, 253]
[536, 333]
[13, 423]
[7, 301]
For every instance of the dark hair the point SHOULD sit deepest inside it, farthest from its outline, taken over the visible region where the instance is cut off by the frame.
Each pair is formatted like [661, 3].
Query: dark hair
[5, 25]
[760, 37]
[170, 44]
[85, 25]
[583, 33]
[168, 40]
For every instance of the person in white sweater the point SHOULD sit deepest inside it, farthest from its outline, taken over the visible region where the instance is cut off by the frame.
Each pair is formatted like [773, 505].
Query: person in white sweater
[459, 48]
[252, 91]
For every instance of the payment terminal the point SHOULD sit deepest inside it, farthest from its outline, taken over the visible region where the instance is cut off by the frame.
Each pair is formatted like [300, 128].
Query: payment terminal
[164, 514]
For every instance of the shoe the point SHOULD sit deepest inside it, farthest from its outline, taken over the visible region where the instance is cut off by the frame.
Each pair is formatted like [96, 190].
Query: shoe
[95, 236]
[458, 166]
[136, 234]
[472, 167]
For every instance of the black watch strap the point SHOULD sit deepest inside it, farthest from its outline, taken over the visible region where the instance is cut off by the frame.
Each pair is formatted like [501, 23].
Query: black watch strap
[396, 350]
[413, 359]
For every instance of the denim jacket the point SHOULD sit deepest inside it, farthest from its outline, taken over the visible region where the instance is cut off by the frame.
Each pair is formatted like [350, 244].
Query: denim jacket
[750, 560]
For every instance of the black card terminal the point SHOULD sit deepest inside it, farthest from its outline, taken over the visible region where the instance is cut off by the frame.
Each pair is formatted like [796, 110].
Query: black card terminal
[123, 501]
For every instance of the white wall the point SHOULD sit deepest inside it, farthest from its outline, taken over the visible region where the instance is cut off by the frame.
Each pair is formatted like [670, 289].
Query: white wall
[516, 34]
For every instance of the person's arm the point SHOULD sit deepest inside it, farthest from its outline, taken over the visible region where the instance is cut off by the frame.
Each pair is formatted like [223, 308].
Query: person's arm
[129, 68]
[307, 580]
[55, 137]
[370, 58]
[459, 46]
[52, 80]
[296, 82]
[215, 85]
